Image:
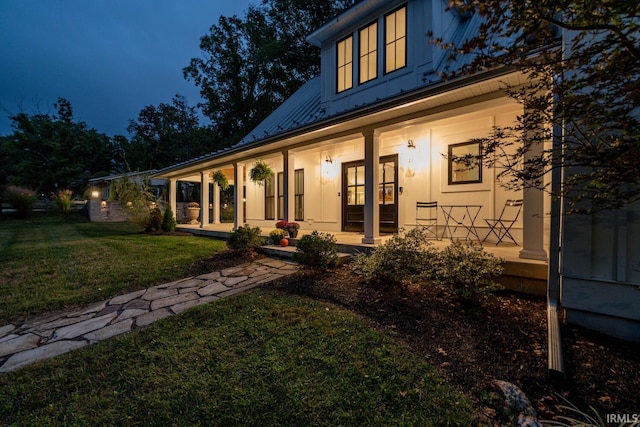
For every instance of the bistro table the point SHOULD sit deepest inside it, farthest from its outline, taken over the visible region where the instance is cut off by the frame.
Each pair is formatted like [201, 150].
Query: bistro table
[460, 216]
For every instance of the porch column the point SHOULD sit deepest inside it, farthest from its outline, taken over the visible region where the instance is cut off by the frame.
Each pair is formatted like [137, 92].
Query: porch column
[173, 196]
[371, 165]
[204, 198]
[216, 203]
[533, 208]
[288, 186]
[238, 196]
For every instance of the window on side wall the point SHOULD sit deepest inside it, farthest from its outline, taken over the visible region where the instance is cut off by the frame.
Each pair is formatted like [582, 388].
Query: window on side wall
[395, 40]
[368, 53]
[465, 163]
[270, 198]
[299, 195]
[345, 64]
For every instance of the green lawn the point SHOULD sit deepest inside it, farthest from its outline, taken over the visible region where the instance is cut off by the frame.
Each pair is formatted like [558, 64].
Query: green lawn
[47, 262]
[258, 359]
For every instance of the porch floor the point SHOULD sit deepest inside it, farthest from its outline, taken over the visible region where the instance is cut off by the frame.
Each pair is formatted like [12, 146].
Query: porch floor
[520, 274]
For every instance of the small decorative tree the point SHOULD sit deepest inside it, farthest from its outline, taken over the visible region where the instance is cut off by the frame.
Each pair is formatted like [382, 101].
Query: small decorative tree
[260, 172]
[168, 221]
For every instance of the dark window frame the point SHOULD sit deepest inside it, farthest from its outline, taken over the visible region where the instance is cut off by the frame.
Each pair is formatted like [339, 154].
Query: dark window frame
[298, 196]
[340, 67]
[451, 164]
[370, 52]
[406, 37]
[270, 198]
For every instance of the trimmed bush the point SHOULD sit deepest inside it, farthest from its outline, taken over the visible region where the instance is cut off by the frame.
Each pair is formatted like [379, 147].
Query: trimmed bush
[245, 239]
[403, 257]
[168, 220]
[22, 199]
[155, 219]
[467, 269]
[317, 251]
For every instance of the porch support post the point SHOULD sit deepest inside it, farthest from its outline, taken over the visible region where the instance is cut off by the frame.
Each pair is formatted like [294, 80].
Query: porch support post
[173, 196]
[533, 208]
[216, 203]
[371, 208]
[288, 184]
[238, 194]
[204, 198]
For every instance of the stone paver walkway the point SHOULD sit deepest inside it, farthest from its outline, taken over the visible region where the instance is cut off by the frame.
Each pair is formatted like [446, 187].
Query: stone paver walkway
[48, 336]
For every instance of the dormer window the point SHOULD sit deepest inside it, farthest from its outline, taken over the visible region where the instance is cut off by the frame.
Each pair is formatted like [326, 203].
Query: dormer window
[345, 64]
[395, 40]
[368, 52]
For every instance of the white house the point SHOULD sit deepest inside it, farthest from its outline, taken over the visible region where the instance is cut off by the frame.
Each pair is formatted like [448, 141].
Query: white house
[355, 150]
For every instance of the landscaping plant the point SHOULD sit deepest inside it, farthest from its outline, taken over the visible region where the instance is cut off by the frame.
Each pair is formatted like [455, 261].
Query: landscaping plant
[62, 200]
[245, 239]
[22, 199]
[276, 235]
[316, 250]
[168, 220]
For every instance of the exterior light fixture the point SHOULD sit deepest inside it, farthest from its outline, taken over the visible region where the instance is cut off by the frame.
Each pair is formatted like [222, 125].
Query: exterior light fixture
[328, 159]
[410, 144]
[95, 194]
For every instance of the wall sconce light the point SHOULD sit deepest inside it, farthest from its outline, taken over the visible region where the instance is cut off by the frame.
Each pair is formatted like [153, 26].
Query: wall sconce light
[95, 194]
[328, 159]
[410, 144]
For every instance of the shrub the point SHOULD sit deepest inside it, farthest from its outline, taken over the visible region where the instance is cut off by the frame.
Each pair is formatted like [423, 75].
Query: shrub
[403, 257]
[22, 199]
[155, 219]
[316, 250]
[245, 239]
[467, 268]
[276, 235]
[62, 200]
[168, 220]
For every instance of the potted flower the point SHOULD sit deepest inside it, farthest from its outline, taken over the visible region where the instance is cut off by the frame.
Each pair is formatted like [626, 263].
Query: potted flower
[282, 225]
[292, 228]
[260, 172]
[221, 179]
[276, 235]
[194, 212]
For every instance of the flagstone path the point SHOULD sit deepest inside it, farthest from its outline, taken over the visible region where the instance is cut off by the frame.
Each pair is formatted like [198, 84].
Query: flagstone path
[48, 336]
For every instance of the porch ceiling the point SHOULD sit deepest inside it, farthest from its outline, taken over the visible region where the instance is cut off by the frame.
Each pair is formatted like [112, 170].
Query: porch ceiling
[434, 103]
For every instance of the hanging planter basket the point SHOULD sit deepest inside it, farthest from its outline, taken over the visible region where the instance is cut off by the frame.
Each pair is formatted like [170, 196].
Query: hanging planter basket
[221, 179]
[260, 172]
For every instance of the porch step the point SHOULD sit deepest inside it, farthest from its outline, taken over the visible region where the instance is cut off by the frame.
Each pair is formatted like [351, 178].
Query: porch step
[287, 252]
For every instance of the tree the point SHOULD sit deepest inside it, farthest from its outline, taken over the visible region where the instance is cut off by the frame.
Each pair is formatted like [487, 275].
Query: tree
[166, 135]
[582, 60]
[47, 153]
[250, 65]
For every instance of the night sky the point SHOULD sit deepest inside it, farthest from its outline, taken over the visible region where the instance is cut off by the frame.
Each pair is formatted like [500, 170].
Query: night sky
[109, 58]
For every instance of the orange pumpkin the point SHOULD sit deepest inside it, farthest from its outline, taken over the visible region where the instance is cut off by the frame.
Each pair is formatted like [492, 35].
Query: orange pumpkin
[284, 243]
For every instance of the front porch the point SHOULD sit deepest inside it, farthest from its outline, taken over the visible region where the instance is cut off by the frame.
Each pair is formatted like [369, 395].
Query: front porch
[520, 274]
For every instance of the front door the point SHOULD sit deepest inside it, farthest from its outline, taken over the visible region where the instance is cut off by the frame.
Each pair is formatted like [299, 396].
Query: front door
[353, 191]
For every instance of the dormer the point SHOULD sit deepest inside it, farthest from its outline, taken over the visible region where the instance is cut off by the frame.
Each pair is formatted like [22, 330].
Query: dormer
[379, 48]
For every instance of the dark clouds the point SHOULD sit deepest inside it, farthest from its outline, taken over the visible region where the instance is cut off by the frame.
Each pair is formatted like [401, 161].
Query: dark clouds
[109, 58]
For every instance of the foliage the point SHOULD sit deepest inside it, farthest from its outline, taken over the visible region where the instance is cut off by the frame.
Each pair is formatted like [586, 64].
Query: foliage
[136, 198]
[62, 199]
[167, 134]
[168, 220]
[194, 205]
[47, 153]
[582, 419]
[276, 235]
[233, 362]
[245, 239]
[220, 179]
[402, 257]
[55, 263]
[466, 268]
[249, 65]
[260, 172]
[292, 227]
[22, 199]
[155, 219]
[316, 250]
[582, 62]
[281, 224]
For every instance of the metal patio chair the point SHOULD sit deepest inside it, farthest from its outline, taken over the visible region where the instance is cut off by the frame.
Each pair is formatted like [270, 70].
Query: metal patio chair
[501, 226]
[427, 217]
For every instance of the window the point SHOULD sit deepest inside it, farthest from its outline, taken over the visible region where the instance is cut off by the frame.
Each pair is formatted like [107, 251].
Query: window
[280, 195]
[355, 185]
[270, 198]
[465, 163]
[369, 53]
[345, 64]
[387, 186]
[299, 195]
[396, 40]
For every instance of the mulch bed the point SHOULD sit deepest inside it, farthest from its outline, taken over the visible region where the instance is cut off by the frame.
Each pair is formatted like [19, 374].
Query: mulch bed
[504, 337]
